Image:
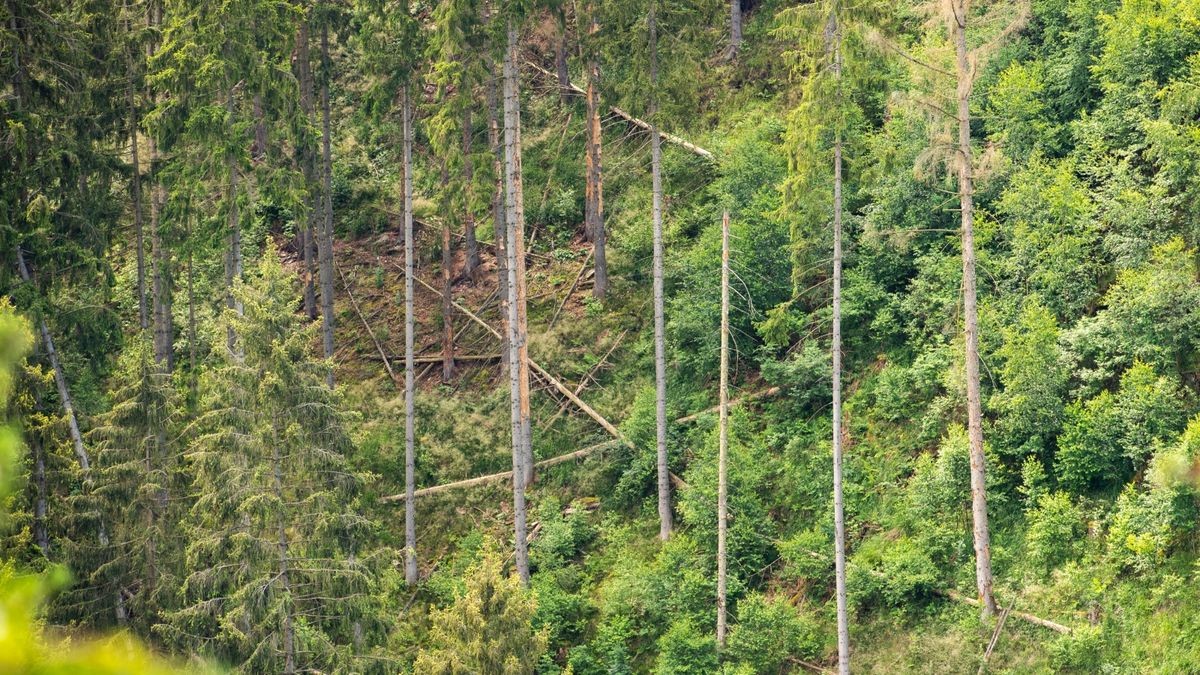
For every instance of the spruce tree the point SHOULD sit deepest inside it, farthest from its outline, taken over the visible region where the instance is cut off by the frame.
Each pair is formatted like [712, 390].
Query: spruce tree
[275, 582]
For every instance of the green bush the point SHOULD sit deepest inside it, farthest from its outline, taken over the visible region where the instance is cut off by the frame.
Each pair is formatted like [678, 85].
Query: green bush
[1055, 525]
[768, 631]
[685, 649]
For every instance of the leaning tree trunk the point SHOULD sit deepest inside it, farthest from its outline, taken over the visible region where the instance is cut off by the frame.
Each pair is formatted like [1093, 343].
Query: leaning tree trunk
[594, 214]
[410, 522]
[983, 550]
[723, 442]
[518, 357]
[560, 58]
[665, 516]
[325, 229]
[839, 519]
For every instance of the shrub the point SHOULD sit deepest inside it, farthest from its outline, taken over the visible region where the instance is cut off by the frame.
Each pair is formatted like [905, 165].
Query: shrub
[768, 631]
[1055, 525]
[685, 649]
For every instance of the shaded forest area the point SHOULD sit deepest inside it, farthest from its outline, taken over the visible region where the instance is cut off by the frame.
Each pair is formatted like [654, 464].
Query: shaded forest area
[599, 336]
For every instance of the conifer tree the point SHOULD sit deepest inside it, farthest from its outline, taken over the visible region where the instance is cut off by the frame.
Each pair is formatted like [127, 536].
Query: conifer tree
[136, 467]
[273, 583]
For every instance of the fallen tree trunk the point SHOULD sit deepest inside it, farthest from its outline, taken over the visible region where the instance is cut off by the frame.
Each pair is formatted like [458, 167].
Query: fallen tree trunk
[640, 123]
[504, 475]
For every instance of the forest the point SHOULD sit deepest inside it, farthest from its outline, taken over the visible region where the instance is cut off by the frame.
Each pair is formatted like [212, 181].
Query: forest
[599, 336]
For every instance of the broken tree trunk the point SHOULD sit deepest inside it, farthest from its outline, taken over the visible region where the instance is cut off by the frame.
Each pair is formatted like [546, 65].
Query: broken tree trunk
[637, 122]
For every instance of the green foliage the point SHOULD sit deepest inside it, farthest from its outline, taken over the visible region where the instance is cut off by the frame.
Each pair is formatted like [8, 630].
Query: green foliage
[768, 633]
[1107, 437]
[1054, 527]
[685, 649]
[1035, 381]
[487, 629]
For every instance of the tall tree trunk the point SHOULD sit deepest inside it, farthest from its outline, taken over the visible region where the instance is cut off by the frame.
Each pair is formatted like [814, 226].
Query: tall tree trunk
[839, 520]
[233, 253]
[499, 228]
[665, 516]
[447, 289]
[983, 549]
[306, 155]
[160, 255]
[723, 441]
[468, 176]
[594, 213]
[135, 195]
[735, 28]
[560, 57]
[258, 149]
[191, 300]
[410, 468]
[324, 231]
[518, 357]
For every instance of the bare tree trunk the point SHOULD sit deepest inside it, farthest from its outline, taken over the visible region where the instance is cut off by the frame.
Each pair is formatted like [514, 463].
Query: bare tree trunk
[723, 442]
[410, 522]
[258, 149]
[447, 297]
[191, 300]
[468, 176]
[983, 550]
[735, 28]
[560, 58]
[594, 215]
[306, 236]
[499, 229]
[518, 357]
[325, 229]
[162, 320]
[665, 515]
[839, 519]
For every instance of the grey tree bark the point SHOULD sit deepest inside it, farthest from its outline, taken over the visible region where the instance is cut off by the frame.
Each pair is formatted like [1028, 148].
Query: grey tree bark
[515, 251]
[723, 442]
[594, 197]
[410, 522]
[325, 229]
[983, 550]
[735, 28]
[665, 516]
[499, 229]
[305, 153]
[839, 519]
